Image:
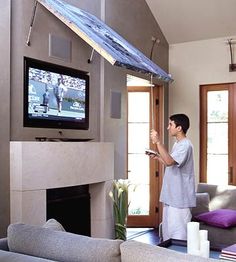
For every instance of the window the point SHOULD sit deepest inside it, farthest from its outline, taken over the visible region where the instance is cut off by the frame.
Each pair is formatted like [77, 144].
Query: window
[217, 138]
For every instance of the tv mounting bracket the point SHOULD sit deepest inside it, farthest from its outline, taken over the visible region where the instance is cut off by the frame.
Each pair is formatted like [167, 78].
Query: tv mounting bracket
[32, 22]
[90, 59]
[232, 66]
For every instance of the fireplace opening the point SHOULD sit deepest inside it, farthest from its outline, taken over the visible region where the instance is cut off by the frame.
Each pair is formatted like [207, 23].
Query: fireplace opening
[71, 207]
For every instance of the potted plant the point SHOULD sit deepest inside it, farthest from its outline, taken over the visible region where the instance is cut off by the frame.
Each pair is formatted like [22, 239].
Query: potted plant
[119, 196]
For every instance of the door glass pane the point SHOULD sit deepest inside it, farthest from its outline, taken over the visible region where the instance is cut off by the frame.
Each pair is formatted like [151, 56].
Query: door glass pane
[138, 139]
[140, 199]
[138, 162]
[140, 170]
[138, 107]
[217, 137]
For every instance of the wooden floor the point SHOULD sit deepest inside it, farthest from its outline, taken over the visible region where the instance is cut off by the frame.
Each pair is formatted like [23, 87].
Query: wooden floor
[147, 235]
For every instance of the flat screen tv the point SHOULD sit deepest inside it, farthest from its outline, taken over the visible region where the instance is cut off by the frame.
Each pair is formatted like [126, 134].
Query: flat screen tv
[55, 96]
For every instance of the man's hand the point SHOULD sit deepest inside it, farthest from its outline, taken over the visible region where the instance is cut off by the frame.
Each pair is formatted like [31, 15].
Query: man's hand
[155, 137]
[151, 152]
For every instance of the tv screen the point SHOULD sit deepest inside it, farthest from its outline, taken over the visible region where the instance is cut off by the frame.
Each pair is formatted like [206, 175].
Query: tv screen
[55, 96]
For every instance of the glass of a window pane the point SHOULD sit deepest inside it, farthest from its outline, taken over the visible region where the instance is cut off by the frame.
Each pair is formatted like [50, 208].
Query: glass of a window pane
[217, 169]
[214, 144]
[217, 126]
[217, 106]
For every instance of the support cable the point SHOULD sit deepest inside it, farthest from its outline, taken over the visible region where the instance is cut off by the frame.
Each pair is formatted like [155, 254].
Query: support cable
[91, 57]
[152, 104]
[31, 23]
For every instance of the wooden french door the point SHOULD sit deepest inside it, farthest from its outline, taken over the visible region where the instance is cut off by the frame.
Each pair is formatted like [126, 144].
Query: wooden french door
[217, 134]
[145, 173]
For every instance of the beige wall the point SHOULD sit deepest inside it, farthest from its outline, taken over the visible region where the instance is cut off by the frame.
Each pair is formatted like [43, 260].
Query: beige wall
[191, 65]
[45, 23]
[5, 7]
[134, 21]
[130, 18]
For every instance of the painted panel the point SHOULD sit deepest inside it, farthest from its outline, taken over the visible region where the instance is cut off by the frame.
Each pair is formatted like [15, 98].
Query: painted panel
[103, 39]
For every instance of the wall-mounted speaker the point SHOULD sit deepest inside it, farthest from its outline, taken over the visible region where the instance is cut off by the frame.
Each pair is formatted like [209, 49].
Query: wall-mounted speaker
[115, 104]
[59, 47]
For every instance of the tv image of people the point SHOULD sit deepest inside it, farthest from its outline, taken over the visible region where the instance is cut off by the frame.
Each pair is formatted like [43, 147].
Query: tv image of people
[46, 97]
[59, 91]
[53, 95]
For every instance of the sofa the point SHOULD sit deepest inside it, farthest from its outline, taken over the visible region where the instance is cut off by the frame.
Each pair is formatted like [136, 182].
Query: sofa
[216, 213]
[28, 243]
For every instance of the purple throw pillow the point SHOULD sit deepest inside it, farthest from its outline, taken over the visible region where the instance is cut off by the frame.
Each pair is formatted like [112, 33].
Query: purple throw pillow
[223, 218]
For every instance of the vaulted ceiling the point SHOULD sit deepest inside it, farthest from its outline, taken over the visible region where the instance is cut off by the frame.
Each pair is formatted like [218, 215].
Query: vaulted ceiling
[191, 20]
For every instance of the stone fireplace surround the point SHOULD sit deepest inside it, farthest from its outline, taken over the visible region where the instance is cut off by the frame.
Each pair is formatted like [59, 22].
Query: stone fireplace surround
[38, 166]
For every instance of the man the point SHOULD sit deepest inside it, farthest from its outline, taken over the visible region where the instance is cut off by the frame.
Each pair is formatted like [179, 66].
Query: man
[59, 91]
[46, 98]
[178, 188]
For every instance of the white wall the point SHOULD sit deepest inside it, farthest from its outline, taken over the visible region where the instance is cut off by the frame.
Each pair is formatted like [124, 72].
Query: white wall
[191, 65]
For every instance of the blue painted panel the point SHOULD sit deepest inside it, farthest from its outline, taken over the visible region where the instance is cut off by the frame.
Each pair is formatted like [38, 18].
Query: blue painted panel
[104, 40]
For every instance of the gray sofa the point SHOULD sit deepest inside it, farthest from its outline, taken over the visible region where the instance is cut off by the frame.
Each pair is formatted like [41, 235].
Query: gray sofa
[27, 243]
[213, 197]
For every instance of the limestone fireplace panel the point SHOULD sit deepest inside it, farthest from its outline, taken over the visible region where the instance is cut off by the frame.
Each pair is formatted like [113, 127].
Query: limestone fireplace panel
[37, 166]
